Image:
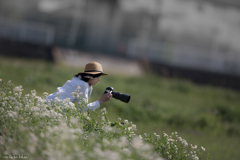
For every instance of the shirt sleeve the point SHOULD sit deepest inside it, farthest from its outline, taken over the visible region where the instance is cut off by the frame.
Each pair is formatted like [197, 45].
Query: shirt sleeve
[87, 93]
[93, 105]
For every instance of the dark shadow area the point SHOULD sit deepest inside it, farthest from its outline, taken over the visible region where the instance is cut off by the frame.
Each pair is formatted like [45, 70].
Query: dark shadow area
[198, 76]
[12, 48]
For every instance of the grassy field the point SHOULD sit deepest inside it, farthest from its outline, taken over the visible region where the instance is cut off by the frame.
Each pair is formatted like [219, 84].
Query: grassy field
[204, 115]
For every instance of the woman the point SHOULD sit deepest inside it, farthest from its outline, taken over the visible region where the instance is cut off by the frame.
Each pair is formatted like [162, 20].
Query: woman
[83, 82]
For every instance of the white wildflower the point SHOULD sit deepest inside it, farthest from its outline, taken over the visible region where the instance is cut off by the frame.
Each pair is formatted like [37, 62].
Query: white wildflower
[42, 135]
[103, 118]
[136, 143]
[170, 140]
[73, 94]
[158, 136]
[19, 94]
[106, 142]
[126, 151]
[18, 89]
[45, 94]
[31, 148]
[88, 118]
[33, 92]
[33, 138]
[9, 82]
[122, 142]
[185, 143]
[16, 108]
[129, 128]
[103, 111]
[34, 109]
[180, 139]
[1, 110]
[74, 120]
[134, 127]
[107, 128]
[170, 157]
[72, 105]
[165, 135]
[194, 147]
[195, 157]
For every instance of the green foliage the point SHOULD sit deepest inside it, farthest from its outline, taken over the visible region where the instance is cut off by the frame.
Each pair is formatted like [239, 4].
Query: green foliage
[37, 129]
[204, 115]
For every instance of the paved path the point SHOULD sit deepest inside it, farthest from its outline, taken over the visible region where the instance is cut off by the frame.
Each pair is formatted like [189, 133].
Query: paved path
[110, 64]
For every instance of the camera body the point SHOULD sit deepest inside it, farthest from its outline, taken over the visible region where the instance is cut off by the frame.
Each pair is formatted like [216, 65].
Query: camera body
[120, 96]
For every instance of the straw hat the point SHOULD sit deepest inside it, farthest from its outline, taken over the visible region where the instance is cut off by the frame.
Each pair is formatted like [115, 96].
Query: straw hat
[93, 68]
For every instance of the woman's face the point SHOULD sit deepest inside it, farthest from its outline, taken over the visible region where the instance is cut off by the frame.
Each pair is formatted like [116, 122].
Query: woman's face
[94, 81]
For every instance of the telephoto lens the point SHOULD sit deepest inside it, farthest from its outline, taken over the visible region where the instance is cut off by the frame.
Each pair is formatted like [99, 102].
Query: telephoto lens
[120, 96]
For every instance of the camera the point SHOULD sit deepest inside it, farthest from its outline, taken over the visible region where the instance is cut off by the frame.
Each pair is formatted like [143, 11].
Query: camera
[120, 96]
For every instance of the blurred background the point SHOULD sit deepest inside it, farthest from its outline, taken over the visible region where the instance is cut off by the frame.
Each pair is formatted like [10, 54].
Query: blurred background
[187, 38]
[158, 51]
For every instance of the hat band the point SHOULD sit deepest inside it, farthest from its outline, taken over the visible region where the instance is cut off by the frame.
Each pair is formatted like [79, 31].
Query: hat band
[93, 71]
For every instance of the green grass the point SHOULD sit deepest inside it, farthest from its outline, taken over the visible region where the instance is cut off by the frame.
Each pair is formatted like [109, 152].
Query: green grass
[204, 115]
[58, 130]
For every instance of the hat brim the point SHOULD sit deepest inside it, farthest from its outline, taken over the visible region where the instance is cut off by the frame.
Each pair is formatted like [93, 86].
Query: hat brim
[93, 73]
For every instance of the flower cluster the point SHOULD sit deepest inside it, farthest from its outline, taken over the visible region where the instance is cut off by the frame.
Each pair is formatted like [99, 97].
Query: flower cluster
[175, 147]
[30, 125]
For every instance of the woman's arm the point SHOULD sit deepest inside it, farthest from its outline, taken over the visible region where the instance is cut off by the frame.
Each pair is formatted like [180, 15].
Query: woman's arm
[95, 105]
[105, 97]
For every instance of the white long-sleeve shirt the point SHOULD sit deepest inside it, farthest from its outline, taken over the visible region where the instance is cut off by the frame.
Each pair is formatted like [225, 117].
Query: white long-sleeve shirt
[69, 87]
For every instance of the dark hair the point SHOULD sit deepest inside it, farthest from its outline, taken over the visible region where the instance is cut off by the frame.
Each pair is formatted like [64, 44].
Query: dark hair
[85, 74]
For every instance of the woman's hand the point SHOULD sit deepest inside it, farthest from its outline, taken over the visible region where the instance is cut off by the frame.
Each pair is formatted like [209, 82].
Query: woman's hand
[105, 97]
